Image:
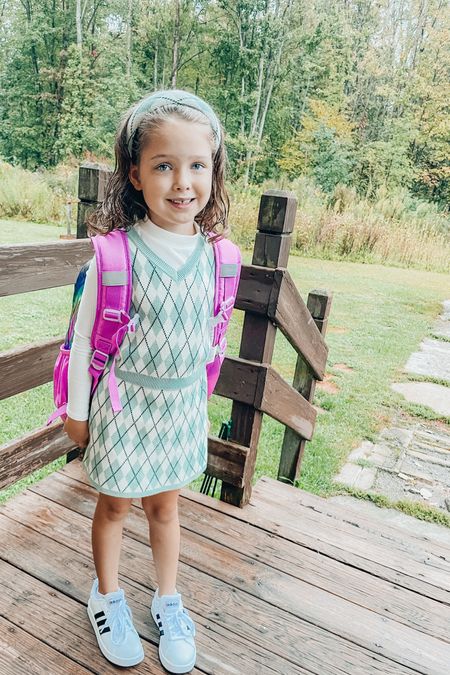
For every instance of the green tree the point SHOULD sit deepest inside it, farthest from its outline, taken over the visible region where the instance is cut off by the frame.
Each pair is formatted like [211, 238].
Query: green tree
[322, 148]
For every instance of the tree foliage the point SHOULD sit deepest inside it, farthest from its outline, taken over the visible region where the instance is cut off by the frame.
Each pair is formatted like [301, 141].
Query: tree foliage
[350, 92]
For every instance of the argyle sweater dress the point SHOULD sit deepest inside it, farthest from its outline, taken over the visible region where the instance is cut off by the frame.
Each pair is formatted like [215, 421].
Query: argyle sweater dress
[158, 441]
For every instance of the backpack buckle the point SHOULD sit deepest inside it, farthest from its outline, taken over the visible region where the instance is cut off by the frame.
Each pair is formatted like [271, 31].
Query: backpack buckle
[226, 308]
[223, 313]
[112, 315]
[99, 360]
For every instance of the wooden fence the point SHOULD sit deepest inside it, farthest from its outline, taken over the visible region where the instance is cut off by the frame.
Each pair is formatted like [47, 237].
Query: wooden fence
[269, 300]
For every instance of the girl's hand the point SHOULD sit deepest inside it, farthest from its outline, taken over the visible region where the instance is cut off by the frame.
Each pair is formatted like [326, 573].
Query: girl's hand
[77, 431]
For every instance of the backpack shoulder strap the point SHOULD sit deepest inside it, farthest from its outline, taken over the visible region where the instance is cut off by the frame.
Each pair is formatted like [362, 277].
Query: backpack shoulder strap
[228, 270]
[114, 287]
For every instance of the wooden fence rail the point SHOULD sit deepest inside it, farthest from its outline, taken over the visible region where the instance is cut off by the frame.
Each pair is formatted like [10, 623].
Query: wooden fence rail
[33, 267]
[269, 299]
[262, 291]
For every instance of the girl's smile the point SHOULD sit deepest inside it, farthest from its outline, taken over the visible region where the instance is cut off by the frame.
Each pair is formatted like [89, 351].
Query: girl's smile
[175, 173]
[181, 203]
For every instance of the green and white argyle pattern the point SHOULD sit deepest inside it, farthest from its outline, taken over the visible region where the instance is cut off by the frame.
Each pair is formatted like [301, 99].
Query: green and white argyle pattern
[158, 441]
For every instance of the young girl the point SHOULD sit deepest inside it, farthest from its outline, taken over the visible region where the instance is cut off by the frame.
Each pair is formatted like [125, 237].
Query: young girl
[167, 192]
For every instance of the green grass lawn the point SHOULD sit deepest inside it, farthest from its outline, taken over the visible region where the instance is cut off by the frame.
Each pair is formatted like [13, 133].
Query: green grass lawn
[14, 231]
[378, 317]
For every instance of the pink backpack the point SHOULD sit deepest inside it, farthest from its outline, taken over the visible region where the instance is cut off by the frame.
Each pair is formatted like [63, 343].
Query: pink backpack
[112, 321]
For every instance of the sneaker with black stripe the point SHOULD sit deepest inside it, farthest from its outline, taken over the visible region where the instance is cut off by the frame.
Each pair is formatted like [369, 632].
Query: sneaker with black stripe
[177, 651]
[112, 622]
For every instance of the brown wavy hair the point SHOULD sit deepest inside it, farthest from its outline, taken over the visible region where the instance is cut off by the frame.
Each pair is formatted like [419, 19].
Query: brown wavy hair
[123, 205]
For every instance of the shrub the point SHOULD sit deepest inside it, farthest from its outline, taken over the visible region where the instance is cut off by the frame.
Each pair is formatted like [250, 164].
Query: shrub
[38, 196]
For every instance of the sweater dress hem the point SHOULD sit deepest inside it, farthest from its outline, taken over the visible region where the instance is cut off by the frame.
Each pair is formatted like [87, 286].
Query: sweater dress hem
[147, 493]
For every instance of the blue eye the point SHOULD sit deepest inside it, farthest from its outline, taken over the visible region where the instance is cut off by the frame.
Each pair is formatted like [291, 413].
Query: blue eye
[161, 167]
[198, 165]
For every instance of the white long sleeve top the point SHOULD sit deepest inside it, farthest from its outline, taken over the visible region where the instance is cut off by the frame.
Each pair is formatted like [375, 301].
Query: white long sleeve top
[173, 248]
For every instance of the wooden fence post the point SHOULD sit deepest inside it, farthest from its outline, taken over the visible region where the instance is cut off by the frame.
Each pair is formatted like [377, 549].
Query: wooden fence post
[319, 303]
[276, 221]
[92, 181]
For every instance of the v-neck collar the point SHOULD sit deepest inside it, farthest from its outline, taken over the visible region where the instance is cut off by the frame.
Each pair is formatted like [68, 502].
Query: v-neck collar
[176, 274]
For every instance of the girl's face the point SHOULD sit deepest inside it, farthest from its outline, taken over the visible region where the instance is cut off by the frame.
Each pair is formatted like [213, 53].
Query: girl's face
[175, 173]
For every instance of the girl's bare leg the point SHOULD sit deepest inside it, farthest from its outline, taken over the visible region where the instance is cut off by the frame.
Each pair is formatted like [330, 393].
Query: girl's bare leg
[107, 528]
[162, 515]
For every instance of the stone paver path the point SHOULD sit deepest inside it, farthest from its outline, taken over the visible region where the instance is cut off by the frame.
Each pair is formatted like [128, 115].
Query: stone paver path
[442, 325]
[434, 396]
[411, 459]
[433, 360]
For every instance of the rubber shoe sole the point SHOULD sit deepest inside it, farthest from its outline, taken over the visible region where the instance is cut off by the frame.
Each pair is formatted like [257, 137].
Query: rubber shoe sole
[166, 663]
[130, 661]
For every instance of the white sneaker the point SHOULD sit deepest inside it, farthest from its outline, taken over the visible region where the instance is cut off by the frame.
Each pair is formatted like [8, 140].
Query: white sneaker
[112, 622]
[176, 630]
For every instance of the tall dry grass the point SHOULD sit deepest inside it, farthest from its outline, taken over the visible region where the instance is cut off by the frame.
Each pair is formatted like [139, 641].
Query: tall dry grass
[394, 229]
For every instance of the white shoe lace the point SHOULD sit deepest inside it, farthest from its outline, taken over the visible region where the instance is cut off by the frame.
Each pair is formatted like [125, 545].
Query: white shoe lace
[180, 624]
[119, 620]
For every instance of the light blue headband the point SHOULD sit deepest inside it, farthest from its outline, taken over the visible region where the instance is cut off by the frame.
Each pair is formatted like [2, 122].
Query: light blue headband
[170, 97]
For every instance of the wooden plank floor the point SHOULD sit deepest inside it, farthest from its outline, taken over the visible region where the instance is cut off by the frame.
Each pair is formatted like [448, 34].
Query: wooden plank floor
[290, 584]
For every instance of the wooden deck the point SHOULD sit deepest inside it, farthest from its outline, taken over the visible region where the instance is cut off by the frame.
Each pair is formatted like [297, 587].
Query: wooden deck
[289, 584]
